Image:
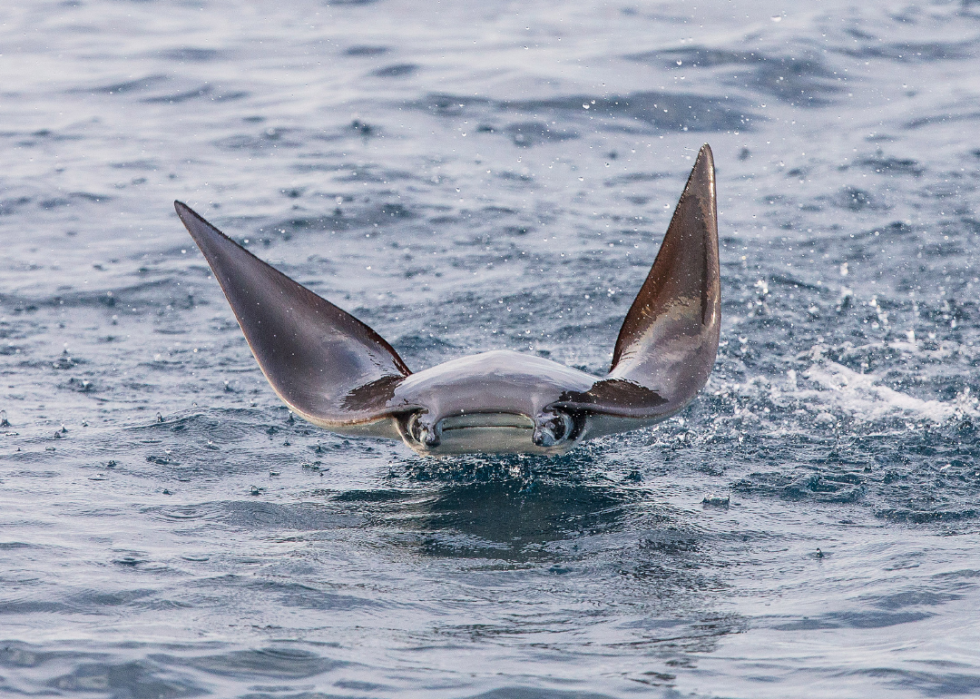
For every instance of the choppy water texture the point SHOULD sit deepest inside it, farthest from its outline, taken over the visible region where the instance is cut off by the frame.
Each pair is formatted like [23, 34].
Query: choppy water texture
[470, 176]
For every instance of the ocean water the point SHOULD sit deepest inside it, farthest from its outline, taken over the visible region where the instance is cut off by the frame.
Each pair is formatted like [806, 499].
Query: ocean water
[471, 176]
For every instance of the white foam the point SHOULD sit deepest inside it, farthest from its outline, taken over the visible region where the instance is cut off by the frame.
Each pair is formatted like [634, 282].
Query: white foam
[862, 397]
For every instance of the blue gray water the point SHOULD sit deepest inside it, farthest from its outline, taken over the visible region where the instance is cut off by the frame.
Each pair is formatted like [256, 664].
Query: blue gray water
[470, 176]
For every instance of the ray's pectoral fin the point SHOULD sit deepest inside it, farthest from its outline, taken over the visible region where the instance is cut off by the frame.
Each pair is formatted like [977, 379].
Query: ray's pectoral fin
[667, 345]
[325, 364]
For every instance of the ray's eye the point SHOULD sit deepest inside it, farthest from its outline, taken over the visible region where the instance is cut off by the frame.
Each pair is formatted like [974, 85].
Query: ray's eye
[551, 428]
[423, 431]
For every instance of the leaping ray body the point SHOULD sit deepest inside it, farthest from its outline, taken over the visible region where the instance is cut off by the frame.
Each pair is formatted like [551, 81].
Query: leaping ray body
[336, 372]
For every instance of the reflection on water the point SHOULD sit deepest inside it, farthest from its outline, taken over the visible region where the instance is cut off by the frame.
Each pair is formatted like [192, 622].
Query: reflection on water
[517, 520]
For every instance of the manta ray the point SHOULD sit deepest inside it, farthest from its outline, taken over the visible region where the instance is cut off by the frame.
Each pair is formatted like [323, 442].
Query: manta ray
[336, 372]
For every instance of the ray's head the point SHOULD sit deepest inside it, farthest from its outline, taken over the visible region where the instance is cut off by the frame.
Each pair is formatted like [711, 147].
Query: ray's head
[493, 402]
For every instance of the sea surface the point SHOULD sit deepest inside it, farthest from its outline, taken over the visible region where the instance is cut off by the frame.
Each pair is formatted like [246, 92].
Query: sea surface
[467, 176]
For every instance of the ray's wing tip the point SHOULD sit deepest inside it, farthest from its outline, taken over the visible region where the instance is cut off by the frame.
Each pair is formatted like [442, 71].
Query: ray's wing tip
[704, 164]
[195, 224]
[185, 213]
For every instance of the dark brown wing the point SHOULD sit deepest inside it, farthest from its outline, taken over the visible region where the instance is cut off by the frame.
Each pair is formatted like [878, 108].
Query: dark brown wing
[324, 363]
[667, 345]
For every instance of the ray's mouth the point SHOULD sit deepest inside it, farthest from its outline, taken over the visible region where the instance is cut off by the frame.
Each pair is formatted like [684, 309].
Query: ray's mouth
[495, 432]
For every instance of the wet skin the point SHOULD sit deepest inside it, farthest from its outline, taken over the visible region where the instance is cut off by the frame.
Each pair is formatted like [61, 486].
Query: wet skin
[338, 373]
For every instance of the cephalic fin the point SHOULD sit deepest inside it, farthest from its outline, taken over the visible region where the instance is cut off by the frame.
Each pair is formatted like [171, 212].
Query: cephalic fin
[329, 367]
[668, 342]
